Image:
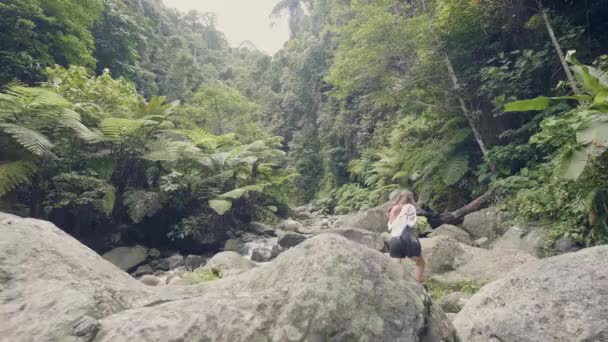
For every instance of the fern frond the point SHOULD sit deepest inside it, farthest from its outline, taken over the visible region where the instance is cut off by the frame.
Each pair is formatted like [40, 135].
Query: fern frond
[15, 173]
[240, 192]
[455, 168]
[141, 204]
[118, 128]
[220, 206]
[31, 140]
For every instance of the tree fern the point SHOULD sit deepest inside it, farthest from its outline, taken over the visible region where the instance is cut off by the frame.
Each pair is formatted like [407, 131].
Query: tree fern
[141, 204]
[31, 140]
[454, 169]
[220, 206]
[15, 173]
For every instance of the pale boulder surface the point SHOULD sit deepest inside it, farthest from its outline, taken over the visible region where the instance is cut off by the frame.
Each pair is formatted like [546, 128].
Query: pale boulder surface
[449, 260]
[368, 239]
[127, 257]
[326, 289]
[53, 288]
[563, 298]
[531, 239]
[454, 232]
[229, 264]
[374, 219]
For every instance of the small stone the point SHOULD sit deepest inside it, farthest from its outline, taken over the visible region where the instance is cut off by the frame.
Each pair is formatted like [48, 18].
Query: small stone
[261, 254]
[154, 253]
[150, 280]
[482, 242]
[193, 262]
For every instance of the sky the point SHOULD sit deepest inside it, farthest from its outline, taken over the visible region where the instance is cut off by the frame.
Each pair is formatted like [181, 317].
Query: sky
[242, 20]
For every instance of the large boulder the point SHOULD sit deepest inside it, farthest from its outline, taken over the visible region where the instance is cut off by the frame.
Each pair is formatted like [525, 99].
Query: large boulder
[532, 239]
[454, 232]
[485, 223]
[127, 257]
[374, 219]
[290, 226]
[327, 288]
[53, 288]
[449, 261]
[365, 237]
[229, 264]
[563, 298]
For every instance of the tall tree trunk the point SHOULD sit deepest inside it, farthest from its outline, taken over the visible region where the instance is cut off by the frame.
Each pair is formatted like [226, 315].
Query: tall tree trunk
[558, 48]
[463, 105]
[456, 85]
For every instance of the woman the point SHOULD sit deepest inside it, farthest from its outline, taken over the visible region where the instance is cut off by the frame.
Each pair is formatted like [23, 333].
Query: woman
[404, 237]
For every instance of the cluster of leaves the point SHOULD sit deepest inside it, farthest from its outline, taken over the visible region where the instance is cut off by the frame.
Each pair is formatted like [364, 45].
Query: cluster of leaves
[85, 144]
[568, 190]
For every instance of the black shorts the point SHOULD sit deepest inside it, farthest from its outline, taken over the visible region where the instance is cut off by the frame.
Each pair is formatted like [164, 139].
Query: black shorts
[405, 247]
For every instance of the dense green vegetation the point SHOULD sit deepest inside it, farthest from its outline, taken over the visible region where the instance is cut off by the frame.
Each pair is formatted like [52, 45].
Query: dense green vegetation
[366, 96]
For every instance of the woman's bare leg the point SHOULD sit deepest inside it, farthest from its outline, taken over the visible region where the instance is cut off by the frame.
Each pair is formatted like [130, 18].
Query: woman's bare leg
[419, 268]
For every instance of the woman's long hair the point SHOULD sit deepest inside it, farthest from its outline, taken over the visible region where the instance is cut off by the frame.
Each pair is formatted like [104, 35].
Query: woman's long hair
[405, 197]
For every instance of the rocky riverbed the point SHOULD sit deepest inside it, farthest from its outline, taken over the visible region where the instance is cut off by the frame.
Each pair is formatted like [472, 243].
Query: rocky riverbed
[314, 278]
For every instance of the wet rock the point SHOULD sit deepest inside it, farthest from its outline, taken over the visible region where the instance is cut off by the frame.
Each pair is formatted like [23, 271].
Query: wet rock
[289, 239]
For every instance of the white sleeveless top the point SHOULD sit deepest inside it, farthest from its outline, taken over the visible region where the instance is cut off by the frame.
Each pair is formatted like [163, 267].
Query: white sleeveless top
[407, 217]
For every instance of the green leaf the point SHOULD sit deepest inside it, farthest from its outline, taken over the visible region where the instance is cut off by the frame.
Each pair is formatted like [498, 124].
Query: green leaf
[15, 173]
[594, 135]
[572, 164]
[539, 103]
[220, 206]
[235, 194]
[272, 208]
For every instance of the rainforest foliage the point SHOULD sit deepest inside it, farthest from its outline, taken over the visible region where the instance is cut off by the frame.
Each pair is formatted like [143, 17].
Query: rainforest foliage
[124, 120]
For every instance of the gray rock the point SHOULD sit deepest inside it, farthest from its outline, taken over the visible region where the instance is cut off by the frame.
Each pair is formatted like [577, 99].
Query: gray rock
[234, 245]
[305, 294]
[566, 245]
[193, 262]
[483, 223]
[172, 262]
[386, 237]
[531, 239]
[454, 302]
[229, 264]
[261, 254]
[154, 253]
[276, 250]
[86, 327]
[365, 237]
[454, 232]
[290, 226]
[289, 239]
[448, 260]
[375, 220]
[150, 280]
[262, 229]
[50, 282]
[563, 298]
[143, 270]
[482, 242]
[127, 257]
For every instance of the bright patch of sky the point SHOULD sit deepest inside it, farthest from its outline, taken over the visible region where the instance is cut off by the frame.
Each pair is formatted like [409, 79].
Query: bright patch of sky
[242, 20]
